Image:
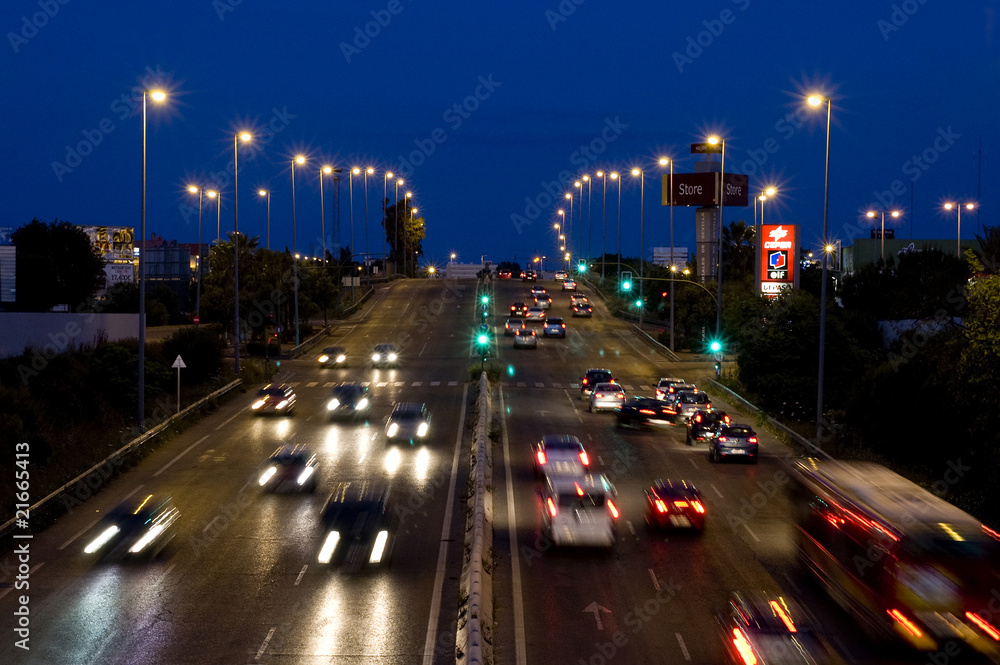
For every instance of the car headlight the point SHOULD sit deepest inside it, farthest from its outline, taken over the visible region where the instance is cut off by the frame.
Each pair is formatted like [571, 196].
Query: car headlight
[422, 429]
[332, 404]
[341, 358]
[99, 542]
[324, 358]
[329, 545]
[282, 404]
[362, 404]
[379, 548]
[375, 357]
[259, 403]
[267, 475]
[304, 476]
[146, 539]
[393, 430]
[392, 357]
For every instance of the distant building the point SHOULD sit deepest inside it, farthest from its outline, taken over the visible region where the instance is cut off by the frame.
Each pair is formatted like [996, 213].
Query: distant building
[866, 251]
[170, 264]
[464, 270]
[8, 273]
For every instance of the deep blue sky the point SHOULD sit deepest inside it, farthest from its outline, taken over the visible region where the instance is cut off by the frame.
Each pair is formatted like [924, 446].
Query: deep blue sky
[910, 78]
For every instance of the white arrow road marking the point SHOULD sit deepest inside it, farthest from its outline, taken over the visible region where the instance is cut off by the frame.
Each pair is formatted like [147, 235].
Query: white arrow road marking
[597, 609]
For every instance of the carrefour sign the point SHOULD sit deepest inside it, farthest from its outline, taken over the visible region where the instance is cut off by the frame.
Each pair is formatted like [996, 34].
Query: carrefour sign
[777, 258]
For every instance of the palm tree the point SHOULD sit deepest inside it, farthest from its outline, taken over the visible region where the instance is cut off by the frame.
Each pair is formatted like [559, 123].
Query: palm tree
[738, 249]
[990, 244]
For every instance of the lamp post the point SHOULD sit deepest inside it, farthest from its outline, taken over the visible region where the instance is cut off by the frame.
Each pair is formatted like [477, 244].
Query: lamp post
[200, 191]
[579, 244]
[871, 215]
[618, 258]
[590, 231]
[763, 196]
[817, 100]
[406, 253]
[322, 215]
[642, 247]
[385, 210]
[354, 171]
[604, 214]
[959, 206]
[267, 194]
[395, 217]
[413, 265]
[300, 159]
[664, 161]
[569, 227]
[218, 211]
[158, 96]
[237, 137]
[713, 140]
[368, 171]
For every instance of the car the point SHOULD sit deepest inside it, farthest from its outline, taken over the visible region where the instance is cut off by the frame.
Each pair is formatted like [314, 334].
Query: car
[607, 396]
[278, 400]
[518, 309]
[592, 377]
[332, 356]
[290, 468]
[409, 421]
[513, 325]
[583, 310]
[534, 315]
[554, 327]
[359, 524]
[703, 425]
[664, 384]
[734, 441]
[569, 285]
[674, 503]
[544, 301]
[560, 454]
[580, 511]
[578, 299]
[538, 291]
[504, 274]
[348, 400]
[385, 354]
[764, 628]
[137, 528]
[686, 402]
[529, 276]
[561, 275]
[525, 339]
[641, 411]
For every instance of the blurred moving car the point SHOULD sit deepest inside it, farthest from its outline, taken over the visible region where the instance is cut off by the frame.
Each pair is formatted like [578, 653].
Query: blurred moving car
[583, 310]
[569, 285]
[385, 354]
[640, 412]
[333, 356]
[504, 274]
[554, 327]
[674, 503]
[768, 628]
[529, 276]
[664, 385]
[290, 468]
[359, 526]
[592, 377]
[518, 309]
[348, 400]
[704, 424]
[559, 453]
[136, 528]
[409, 421]
[686, 402]
[561, 275]
[607, 396]
[273, 399]
[513, 325]
[538, 291]
[534, 315]
[579, 510]
[544, 301]
[736, 441]
[578, 299]
[525, 339]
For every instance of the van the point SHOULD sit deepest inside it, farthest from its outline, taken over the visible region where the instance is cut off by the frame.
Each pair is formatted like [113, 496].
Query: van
[580, 510]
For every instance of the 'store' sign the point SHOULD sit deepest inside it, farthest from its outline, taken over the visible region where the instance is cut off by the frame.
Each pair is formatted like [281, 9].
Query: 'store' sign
[698, 189]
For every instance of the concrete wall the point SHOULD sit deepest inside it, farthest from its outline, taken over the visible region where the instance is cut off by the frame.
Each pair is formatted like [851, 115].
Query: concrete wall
[52, 333]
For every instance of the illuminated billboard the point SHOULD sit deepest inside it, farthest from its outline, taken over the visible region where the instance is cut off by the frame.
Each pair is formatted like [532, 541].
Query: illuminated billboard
[777, 258]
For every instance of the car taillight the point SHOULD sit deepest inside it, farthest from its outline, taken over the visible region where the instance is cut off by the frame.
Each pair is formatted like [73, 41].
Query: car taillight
[697, 418]
[613, 508]
[584, 458]
[552, 506]
[901, 619]
[723, 439]
[563, 325]
[598, 395]
[585, 382]
[752, 439]
[647, 412]
[984, 625]
[661, 506]
[743, 647]
[540, 455]
[579, 490]
[698, 507]
[680, 504]
[785, 619]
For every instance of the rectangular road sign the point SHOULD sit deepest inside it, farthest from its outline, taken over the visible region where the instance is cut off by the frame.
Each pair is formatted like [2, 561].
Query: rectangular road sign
[705, 148]
[699, 189]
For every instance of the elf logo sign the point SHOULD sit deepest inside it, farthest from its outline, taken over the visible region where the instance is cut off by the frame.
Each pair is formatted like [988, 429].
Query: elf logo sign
[778, 267]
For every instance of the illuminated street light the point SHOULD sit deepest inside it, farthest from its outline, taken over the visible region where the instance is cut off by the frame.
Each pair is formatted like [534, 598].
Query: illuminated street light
[618, 258]
[816, 101]
[642, 248]
[871, 215]
[715, 140]
[396, 219]
[354, 171]
[368, 171]
[267, 194]
[967, 206]
[245, 137]
[665, 161]
[200, 191]
[604, 214]
[300, 159]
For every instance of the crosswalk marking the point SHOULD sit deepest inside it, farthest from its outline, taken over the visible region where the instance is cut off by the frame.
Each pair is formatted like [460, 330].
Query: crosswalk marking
[539, 384]
[312, 384]
[381, 384]
[453, 383]
[400, 384]
[328, 384]
[417, 384]
[557, 385]
[435, 383]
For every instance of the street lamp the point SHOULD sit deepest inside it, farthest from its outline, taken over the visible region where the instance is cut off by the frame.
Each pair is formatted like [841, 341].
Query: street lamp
[267, 193]
[395, 217]
[299, 159]
[642, 247]
[715, 140]
[871, 215]
[237, 137]
[816, 101]
[385, 210]
[413, 265]
[218, 213]
[604, 214]
[200, 191]
[406, 254]
[322, 216]
[158, 96]
[968, 206]
[579, 235]
[368, 171]
[569, 227]
[763, 196]
[618, 259]
[664, 161]
[354, 171]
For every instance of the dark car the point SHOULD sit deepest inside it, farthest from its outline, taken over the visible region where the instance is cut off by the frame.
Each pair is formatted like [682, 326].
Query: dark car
[275, 400]
[704, 424]
[518, 309]
[642, 412]
[734, 441]
[348, 400]
[768, 628]
[529, 276]
[592, 378]
[583, 310]
[332, 356]
[409, 421]
[686, 402]
[359, 526]
[290, 469]
[674, 503]
[136, 528]
[664, 384]
[385, 354]
[554, 327]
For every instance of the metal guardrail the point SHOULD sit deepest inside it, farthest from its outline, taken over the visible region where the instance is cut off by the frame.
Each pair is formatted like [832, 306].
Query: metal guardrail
[115, 459]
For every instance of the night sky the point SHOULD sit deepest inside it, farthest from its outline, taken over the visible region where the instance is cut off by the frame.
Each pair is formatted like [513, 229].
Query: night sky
[481, 107]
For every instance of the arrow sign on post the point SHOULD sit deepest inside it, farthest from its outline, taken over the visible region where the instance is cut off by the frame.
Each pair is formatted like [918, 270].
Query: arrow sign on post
[597, 609]
[179, 364]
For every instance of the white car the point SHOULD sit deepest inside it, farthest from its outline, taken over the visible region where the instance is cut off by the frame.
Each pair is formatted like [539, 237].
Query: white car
[385, 354]
[525, 339]
[534, 315]
[606, 397]
[580, 510]
[561, 275]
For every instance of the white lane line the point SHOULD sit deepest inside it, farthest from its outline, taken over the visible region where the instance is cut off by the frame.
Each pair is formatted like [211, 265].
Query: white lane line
[312, 384]
[301, 573]
[751, 532]
[263, 647]
[435, 610]
[520, 652]
[329, 384]
[684, 649]
[539, 384]
[557, 385]
[92, 524]
[453, 383]
[381, 384]
[231, 419]
[716, 490]
[31, 571]
[422, 349]
[435, 383]
[692, 463]
[400, 384]
[600, 459]
[630, 527]
[166, 572]
[182, 454]
[656, 582]
[627, 387]
[96, 656]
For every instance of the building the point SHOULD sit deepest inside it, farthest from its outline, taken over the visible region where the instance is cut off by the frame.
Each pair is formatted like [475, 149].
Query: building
[866, 251]
[169, 264]
[465, 270]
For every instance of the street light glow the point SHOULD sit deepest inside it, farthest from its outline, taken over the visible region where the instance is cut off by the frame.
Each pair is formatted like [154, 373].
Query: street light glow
[245, 136]
[212, 194]
[713, 140]
[815, 100]
[192, 189]
[300, 159]
[262, 192]
[157, 95]
[770, 191]
[328, 169]
[356, 170]
[664, 161]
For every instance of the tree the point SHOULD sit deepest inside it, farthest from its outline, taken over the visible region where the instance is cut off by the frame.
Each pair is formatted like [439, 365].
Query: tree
[56, 265]
[990, 244]
[737, 250]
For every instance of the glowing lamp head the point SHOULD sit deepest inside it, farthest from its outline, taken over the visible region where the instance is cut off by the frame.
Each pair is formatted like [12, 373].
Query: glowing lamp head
[245, 136]
[157, 95]
[192, 189]
[300, 159]
[815, 100]
[262, 192]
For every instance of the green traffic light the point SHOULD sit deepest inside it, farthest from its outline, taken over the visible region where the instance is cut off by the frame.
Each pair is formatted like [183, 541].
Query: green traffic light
[626, 286]
[715, 346]
[483, 339]
[638, 303]
[486, 299]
